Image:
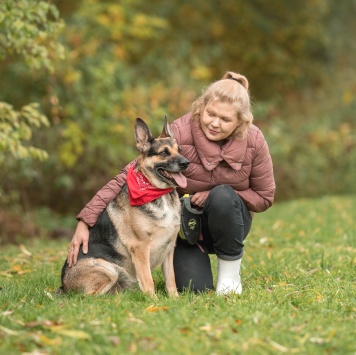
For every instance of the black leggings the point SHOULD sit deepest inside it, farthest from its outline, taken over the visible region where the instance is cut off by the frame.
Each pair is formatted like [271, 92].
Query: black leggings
[225, 225]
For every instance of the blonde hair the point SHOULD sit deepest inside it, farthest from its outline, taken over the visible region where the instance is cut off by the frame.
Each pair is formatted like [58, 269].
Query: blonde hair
[231, 88]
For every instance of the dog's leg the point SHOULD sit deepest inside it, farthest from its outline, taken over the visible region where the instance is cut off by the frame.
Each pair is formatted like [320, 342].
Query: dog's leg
[140, 255]
[91, 276]
[168, 273]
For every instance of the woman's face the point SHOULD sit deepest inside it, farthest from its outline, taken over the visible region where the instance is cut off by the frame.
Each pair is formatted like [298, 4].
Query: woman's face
[219, 120]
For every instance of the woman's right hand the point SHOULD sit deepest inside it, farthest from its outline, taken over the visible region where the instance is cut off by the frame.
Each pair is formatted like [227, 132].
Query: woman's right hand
[81, 236]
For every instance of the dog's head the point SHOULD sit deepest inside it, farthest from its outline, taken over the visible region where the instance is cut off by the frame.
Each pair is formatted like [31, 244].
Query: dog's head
[160, 159]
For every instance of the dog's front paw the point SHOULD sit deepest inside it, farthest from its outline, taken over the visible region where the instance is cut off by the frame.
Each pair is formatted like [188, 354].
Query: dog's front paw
[173, 293]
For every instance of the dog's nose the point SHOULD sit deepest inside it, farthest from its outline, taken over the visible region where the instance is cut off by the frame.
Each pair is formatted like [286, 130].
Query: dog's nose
[184, 163]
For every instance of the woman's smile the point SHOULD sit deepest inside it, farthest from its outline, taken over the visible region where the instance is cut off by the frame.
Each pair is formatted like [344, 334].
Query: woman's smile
[219, 120]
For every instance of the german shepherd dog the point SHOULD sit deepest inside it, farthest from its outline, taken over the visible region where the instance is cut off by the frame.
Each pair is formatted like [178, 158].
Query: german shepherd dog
[128, 241]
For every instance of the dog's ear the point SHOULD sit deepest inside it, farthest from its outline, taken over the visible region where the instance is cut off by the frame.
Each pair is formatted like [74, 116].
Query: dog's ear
[167, 132]
[143, 135]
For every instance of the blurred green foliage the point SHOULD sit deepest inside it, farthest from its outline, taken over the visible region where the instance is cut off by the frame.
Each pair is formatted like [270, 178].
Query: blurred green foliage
[115, 61]
[28, 30]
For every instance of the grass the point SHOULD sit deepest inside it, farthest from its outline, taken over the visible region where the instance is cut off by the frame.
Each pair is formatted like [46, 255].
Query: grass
[299, 296]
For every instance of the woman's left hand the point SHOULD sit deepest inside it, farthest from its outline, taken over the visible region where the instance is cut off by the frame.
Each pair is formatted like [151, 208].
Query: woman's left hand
[199, 198]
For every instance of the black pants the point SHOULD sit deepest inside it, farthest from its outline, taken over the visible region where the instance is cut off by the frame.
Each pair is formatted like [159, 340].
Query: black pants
[225, 225]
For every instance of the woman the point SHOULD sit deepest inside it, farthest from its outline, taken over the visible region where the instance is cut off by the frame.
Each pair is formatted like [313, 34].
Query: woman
[230, 176]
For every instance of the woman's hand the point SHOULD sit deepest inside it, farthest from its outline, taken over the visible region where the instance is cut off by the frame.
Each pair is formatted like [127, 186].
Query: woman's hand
[199, 198]
[81, 236]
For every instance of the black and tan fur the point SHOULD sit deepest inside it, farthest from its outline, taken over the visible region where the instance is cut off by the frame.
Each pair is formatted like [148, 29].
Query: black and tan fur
[127, 242]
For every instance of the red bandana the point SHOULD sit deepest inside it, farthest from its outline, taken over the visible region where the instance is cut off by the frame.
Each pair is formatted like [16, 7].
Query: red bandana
[141, 191]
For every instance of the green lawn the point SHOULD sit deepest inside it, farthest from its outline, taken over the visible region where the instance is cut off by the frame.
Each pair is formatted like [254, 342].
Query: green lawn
[299, 296]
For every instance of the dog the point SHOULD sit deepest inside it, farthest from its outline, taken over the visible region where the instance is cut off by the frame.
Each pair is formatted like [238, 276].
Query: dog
[133, 236]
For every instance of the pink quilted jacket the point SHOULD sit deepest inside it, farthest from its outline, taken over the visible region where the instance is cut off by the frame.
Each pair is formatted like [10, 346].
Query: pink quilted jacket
[245, 165]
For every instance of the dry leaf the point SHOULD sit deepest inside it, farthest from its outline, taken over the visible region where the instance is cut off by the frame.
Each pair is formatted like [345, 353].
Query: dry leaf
[156, 309]
[42, 339]
[319, 341]
[282, 348]
[310, 272]
[24, 250]
[135, 320]
[5, 273]
[8, 331]
[114, 340]
[7, 313]
[78, 334]
[133, 347]
[49, 295]
[45, 323]
[185, 330]
[206, 327]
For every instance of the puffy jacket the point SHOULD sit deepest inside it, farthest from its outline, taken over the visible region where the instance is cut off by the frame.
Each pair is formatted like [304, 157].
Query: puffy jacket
[244, 164]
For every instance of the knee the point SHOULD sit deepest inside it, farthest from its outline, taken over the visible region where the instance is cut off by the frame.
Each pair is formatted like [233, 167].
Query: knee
[223, 196]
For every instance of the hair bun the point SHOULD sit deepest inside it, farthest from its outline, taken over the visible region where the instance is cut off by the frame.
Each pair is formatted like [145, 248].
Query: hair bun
[238, 77]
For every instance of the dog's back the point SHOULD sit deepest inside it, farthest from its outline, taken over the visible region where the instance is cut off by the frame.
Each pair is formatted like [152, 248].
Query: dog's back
[129, 240]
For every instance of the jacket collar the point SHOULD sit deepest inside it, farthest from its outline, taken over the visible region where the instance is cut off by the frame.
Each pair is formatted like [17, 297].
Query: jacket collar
[211, 154]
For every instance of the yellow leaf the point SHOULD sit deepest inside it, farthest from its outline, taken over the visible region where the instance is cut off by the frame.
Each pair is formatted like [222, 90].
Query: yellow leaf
[156, 309]
[206, 328]
[24, 250]
[78, 334]
[7, 313]
[17, 268]
[5, 273]
[8, 331]
[48, 295]
[48, 341]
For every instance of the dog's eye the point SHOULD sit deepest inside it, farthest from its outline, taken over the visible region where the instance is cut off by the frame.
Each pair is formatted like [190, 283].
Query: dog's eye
[165, 153]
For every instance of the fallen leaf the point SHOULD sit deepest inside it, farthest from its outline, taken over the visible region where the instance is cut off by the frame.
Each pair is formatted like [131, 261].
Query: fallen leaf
[17, 269]
[156, 309]
[319, 341]
[49, 295]
[7, 313]
[310, 272]
[114, 340]
[5, 273]
[8, 331]
[282, 348]
[42, 339]
[148, 344]
[78, 334]
[24, 250]
[132, 347]
[206, 327]
[184, 330]
[135, 320]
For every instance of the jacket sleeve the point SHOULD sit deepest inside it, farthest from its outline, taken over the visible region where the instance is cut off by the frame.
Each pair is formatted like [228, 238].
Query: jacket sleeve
[260, 194]
[93, 209]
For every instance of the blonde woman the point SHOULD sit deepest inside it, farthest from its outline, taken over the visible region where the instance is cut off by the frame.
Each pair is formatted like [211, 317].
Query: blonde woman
[230, 177]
